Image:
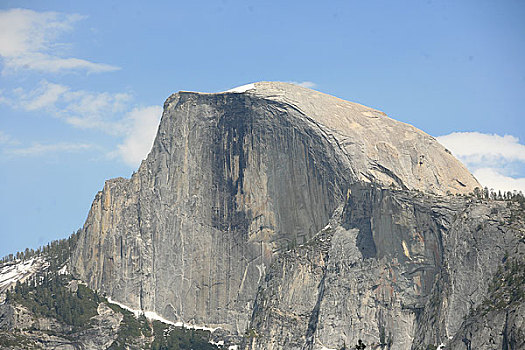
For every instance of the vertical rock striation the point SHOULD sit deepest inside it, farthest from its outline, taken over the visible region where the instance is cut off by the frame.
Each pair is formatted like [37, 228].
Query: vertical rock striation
[231, 180]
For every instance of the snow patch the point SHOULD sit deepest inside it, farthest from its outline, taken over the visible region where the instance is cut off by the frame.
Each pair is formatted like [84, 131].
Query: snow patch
[243, 88]
[137, 313]
[151, 315]
[20, 271]
[233, 347]
[63, 270]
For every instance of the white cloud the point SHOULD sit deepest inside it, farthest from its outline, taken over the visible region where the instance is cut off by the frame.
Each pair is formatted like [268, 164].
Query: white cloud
[38, 149]
[306, 84]
[82, 109]
[489, 156]
[493, 178]
[43, 97]
[28, 41]
[107, 112]
[142, 128]
[475, 147]
[45, 63]
[90, 110]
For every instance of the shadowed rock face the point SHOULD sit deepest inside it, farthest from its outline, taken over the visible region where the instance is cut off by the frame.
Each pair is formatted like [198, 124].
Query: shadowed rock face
[231, 180]
[222, 224]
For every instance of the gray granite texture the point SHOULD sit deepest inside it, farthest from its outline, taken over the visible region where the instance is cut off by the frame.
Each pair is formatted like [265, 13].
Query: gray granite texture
[225, 224]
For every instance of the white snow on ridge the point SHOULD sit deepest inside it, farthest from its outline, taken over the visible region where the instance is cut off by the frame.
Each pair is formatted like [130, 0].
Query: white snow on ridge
[151, 315]
[19, 271]
[242, 88]
[137, 313]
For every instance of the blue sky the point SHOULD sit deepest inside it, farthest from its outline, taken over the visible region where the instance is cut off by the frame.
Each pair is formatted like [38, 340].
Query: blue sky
[82, 84]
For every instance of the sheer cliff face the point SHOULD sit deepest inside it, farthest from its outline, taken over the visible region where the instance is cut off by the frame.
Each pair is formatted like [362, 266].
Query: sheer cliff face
[231, 180]
[217, 226]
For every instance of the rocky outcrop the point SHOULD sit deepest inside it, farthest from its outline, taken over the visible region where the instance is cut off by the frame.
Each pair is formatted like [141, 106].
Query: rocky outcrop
[419, 270]
[222, 224]
[498, 329]
[22, 329]
[19, 271]
[481, 238]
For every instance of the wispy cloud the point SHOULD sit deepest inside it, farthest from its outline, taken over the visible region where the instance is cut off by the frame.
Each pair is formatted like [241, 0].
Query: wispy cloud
[28, 41]
[7, 140]
[142, 128]
[43, 97]
[38, 149]
[306, 84]
[82, 109]
[490, 157]
[110, 113]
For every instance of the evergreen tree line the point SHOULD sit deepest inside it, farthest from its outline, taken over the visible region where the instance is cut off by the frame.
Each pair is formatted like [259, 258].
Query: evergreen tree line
[490, 194]
[48, 295]
[58, 251]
